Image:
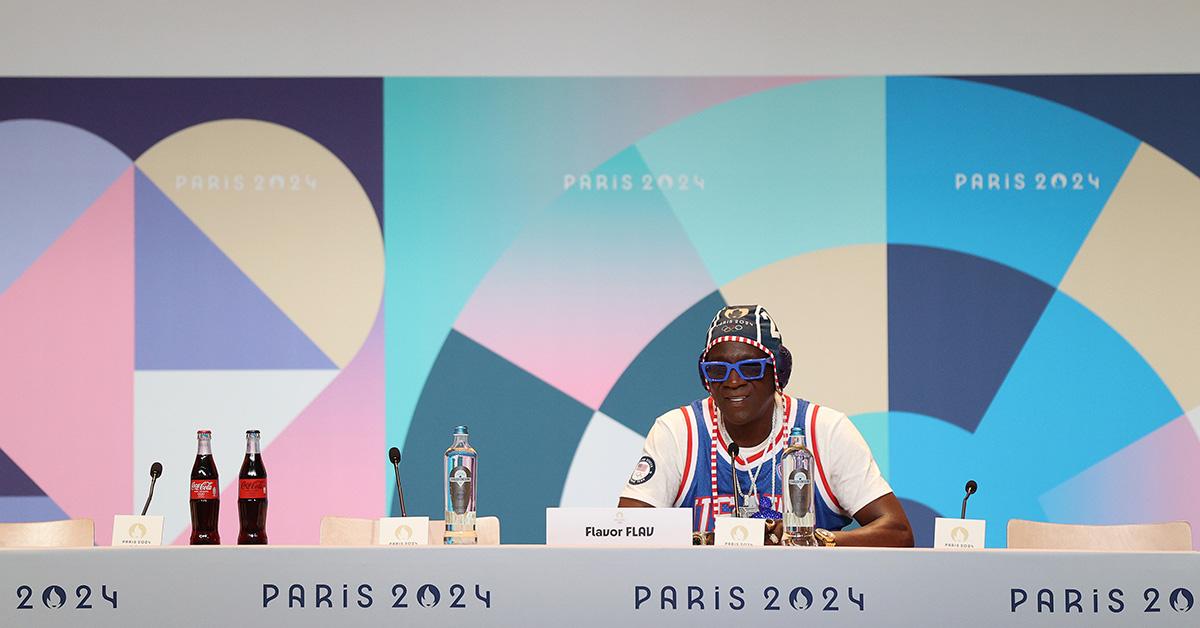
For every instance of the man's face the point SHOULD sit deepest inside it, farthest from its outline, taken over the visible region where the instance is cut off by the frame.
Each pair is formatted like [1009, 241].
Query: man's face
[742, 402]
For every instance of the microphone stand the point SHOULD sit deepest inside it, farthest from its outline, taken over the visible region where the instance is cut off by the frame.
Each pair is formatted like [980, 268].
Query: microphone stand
[971, 488]
[153, 479]
[394, 456]
[400, 491]
[739, 510]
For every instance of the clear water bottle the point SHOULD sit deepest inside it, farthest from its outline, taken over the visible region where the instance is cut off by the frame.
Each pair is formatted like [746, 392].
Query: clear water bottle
[460, 490]
[796, 470]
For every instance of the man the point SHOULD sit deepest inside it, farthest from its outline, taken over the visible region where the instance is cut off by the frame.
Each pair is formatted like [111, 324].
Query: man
[685, 461]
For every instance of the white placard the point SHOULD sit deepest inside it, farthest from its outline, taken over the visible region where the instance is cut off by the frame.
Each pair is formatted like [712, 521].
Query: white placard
[403, 531]
[739, 532]
[615, 527]
[137, 530]
[965, 534]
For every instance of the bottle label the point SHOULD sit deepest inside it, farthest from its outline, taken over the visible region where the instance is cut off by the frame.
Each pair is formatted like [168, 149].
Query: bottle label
[255, 488]
[204, 489]
[460, 489]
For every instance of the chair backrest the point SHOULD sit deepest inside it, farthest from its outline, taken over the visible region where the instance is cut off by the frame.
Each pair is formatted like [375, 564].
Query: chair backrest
[1149, 537]
[487, 530]
[348, 531]
[66, 533]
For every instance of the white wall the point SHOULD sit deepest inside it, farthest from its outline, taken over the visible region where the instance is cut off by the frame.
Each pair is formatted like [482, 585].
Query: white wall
[599, 37]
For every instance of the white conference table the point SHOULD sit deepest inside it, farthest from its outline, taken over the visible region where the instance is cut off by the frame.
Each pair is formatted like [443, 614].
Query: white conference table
[526, 585]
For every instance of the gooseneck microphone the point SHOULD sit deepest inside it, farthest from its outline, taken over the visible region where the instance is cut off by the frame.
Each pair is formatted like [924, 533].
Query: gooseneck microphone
[738, 509]
[971, 488]
[155, 472]
[394, 456]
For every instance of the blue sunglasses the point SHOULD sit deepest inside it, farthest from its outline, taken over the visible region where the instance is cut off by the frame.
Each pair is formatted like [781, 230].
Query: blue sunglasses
[749, 370]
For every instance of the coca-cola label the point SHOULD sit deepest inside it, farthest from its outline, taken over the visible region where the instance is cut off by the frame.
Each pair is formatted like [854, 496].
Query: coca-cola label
[204, 489]
[252, 489]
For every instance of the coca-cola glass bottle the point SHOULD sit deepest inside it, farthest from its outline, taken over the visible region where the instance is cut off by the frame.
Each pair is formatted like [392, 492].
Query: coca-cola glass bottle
[252, 494]
[205, 493]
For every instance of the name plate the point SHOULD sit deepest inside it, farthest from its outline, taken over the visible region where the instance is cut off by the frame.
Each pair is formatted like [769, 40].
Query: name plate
[616, 527]
[739, 532]
[965, 534]
[137, 530]
[403, 531]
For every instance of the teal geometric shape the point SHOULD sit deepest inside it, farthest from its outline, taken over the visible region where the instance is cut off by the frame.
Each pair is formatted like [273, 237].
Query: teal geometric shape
[874, 429]
[443, 234]
[525, 431]
[785, 171]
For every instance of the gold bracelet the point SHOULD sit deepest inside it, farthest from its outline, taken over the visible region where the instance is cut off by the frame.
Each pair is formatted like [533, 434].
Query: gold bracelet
[824, 537]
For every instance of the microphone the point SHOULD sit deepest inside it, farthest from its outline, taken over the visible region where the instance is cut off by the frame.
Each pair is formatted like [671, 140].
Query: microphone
[738, 509]
[971, 488]
[155, 472]
[394, 456]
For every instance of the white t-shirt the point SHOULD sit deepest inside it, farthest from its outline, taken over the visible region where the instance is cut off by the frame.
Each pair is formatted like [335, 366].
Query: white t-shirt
[675, 466]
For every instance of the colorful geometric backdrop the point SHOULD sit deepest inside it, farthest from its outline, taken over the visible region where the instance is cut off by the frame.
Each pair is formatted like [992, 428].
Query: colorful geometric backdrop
[181, 255]
[994, 276]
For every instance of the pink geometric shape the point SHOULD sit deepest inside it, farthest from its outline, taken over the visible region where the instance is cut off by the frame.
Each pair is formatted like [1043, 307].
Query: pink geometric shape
[1151, 480]
[325, 462]
[581, 292]
[50, 173]
[66, 337]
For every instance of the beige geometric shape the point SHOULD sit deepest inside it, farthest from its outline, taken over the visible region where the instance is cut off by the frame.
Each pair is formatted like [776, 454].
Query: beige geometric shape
[831, 307]
[289, 214]
[1137, 268]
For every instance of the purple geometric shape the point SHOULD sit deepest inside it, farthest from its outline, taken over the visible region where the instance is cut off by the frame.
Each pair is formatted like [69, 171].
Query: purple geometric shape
[1146, 106]
[13, 480]
[956, 323]
[27, 508]
[49, 174]
[344, 115]
[196, 309]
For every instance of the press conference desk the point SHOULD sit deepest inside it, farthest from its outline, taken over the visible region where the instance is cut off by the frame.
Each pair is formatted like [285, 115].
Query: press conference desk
[522, 585]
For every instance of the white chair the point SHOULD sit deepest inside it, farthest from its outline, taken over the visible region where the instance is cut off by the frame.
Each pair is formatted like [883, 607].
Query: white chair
[348, 531]
[487, 530]
[1174, 536]
[67, 533]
